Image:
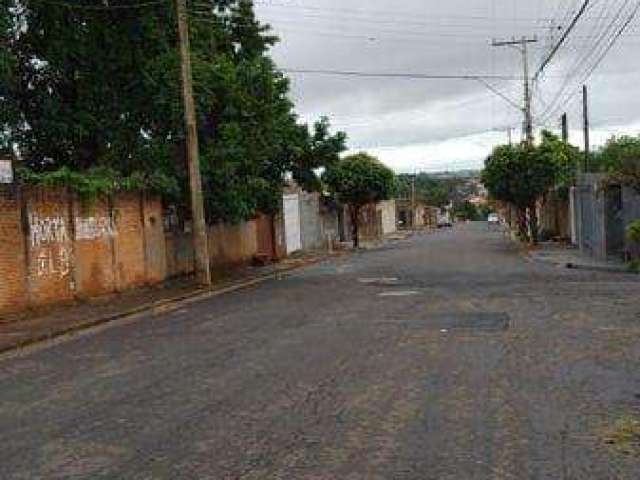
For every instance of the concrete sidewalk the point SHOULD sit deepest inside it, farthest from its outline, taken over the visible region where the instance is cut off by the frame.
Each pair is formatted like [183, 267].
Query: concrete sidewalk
[568, 256]
[26, 328]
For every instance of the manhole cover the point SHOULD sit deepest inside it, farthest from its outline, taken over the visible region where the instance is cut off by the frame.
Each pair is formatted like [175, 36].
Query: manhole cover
[459, 322]
[469, 321]
[399, 293]
[380, 281]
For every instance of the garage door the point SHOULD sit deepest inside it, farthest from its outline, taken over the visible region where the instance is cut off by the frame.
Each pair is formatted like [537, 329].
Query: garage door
[292, 223]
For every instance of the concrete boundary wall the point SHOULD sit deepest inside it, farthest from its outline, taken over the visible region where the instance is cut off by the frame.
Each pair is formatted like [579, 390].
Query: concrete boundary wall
[56, 248]
[602, 213]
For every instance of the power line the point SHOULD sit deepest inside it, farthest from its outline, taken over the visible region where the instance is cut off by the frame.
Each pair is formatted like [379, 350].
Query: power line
[500, 94]
[581, 60]
[581, 63]
[564, 37]
[130, 6]
[419, 76]
[390, 13]
[614, 40]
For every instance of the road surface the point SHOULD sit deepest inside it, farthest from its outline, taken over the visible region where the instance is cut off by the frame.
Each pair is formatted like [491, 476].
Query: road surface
[445, 356]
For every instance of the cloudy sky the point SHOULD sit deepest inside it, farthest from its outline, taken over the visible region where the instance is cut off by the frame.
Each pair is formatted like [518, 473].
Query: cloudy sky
[436, 124]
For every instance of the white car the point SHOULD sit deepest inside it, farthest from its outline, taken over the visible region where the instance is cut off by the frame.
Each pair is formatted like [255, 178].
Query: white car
[493, 219]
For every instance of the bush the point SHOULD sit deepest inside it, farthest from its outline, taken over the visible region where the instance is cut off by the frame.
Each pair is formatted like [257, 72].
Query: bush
[633, 232]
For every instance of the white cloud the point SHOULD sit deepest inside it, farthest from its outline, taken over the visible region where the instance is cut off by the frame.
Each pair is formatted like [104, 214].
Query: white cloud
[435, 124]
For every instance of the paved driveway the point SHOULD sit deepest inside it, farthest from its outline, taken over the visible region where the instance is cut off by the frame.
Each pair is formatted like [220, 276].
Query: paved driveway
[447, 356]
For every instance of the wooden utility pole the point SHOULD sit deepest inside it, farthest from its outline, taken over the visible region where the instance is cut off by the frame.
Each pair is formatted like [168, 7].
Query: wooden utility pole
[521, 46]
[413, 199]
[565, 128]
[200, 246]
[585, 116]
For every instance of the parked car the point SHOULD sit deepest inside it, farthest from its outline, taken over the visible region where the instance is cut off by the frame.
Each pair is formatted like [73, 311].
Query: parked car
[493, 218]
[444, 223]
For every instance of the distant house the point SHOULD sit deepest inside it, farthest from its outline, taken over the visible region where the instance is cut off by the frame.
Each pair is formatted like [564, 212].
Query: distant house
[416, 214]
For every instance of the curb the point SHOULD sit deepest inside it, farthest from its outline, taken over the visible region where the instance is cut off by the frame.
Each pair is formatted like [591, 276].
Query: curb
[577, 266]
[597, 268]
[174, 303]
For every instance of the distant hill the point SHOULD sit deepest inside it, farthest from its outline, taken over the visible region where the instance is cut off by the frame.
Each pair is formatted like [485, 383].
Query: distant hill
[460, 174]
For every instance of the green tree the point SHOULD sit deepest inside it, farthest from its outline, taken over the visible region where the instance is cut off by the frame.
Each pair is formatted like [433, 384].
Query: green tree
[358, 180]
[520, 175]
[428, 190]
[467, 211]
[7, 76]
[620, 159]
[68, 101]
[566, 158]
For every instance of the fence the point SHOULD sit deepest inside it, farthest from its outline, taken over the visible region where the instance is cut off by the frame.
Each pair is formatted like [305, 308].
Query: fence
[56, 248]
[601, 215]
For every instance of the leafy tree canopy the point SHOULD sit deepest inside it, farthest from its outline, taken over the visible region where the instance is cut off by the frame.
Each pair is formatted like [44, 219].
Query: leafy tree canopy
[428, 190]
[360, 179]
[566, 158]
[468, 211]
[620, 158]
[86, 88]
[521, 174]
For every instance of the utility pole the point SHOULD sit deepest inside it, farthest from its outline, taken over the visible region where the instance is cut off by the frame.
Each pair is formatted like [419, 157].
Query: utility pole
[509, 129]
[565, 128]
[200, 246]
[585, 116]
[413, 199]
[521, 46]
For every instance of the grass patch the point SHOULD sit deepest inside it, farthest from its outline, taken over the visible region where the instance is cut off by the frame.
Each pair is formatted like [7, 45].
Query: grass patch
[624, 435]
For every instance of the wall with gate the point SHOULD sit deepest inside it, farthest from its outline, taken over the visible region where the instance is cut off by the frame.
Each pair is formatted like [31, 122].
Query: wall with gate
[603, 212]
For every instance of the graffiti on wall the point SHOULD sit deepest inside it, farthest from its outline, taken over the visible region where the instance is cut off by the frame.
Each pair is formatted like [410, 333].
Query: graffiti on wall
[52, 262]
[93, 228]
[47, 230]
[49, 241]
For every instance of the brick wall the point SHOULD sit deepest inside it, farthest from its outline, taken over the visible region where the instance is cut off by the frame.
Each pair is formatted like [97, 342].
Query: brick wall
[154, 241]
[50, 255]
[95, 233]
[56, 248]
[179, 254]
[231, 245]
[13, 295]
[129, 242]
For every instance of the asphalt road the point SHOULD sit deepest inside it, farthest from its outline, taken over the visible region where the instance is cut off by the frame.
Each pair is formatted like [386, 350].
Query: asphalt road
[446, 356]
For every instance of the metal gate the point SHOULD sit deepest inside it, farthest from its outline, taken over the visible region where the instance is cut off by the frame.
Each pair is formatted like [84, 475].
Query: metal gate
[587, 217]
[614, 221]
[291, 209]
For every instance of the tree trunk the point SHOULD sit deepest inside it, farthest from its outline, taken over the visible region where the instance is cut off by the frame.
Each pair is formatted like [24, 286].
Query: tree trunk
[355, 216]
[523, 224]
[533, 223]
